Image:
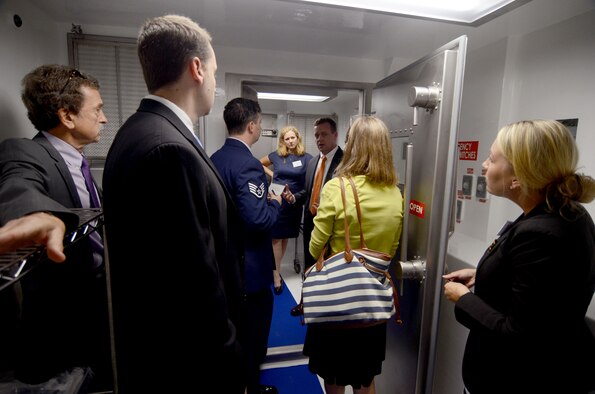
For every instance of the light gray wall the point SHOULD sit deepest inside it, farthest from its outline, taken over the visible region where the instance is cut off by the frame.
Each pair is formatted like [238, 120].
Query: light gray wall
[37, 41]
[546, 74]
[284, 64]
[543, 74]
[41, 40]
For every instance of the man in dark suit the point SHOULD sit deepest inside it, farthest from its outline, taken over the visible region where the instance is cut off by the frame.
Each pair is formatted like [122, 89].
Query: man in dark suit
[325, 132]
[247, 182]
[175, 258]
[64, 320]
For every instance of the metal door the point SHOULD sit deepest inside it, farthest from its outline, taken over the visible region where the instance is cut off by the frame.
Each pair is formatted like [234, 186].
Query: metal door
[420, 105]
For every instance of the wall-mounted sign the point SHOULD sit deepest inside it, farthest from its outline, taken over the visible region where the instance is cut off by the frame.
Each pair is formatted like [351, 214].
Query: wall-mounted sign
[468, 150]
[268, 132]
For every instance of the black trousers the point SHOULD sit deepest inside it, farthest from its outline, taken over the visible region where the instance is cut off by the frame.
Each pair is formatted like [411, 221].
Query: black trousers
[259, 309]
[309, 261]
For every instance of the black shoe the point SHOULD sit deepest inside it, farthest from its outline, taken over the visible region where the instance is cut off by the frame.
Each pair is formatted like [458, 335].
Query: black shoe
[268, 390]
[297, 310]
[279, 290]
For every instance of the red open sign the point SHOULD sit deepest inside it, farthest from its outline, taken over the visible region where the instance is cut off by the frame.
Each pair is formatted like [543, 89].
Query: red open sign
[417, 208]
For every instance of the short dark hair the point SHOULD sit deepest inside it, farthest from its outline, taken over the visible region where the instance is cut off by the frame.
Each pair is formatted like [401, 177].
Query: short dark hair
[330, 121]
[50, 87]
[165, 46]
[238, 113]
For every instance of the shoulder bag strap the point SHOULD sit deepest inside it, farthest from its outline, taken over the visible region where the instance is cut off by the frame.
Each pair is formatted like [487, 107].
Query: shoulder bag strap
[348, 254]
[359, 213]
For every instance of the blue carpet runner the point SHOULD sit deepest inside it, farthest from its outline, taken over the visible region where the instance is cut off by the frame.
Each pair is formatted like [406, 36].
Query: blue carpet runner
[286, 330]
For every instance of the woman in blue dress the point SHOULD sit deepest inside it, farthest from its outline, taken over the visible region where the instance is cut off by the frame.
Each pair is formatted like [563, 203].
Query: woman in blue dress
[289, 162]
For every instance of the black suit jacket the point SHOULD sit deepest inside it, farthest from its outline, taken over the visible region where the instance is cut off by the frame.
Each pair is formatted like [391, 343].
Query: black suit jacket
[527, 314]
[33, 178]
[175, 260]
[303, 197]
[64, 317]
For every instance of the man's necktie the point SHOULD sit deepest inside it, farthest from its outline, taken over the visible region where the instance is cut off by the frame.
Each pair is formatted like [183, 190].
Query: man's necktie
[317, 186]
[93, 198]
[94, 238]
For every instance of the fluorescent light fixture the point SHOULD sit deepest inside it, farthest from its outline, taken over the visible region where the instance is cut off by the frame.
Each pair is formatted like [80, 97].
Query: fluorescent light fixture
[292, 97]
[459, 11]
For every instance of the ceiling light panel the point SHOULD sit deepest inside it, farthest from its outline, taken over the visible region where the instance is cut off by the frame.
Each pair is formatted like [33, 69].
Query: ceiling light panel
[460, 11]
[291, 97]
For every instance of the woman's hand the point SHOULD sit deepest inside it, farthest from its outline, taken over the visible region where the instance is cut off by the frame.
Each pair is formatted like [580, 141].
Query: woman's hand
[458, 283]
[465, 276]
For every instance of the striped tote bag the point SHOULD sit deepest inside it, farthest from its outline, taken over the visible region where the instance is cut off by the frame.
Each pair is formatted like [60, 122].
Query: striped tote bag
[351, 288]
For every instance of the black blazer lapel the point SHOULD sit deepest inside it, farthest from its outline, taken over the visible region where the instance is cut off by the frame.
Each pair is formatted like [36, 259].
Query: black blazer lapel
[61, 167]
[334, 163]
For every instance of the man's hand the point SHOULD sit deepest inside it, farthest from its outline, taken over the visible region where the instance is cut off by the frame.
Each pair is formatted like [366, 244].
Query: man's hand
[288, 195]
[38, 228]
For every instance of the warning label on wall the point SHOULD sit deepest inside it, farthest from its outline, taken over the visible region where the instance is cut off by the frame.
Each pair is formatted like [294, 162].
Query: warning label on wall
[468, 150]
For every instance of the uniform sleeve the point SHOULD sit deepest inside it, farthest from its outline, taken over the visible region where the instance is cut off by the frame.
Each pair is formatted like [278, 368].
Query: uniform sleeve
[252, 189]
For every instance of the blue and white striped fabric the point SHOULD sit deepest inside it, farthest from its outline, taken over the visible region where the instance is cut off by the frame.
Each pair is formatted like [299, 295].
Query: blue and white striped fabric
[348, 292]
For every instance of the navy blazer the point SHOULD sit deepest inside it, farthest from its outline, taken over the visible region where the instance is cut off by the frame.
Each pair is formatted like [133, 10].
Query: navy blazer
[527, 314]
[64, 317]
[175, 259]
[246, 181]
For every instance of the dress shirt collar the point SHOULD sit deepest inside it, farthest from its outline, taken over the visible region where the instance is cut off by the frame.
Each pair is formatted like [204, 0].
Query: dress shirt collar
[178, 111]
[69, 153]
[330, 155]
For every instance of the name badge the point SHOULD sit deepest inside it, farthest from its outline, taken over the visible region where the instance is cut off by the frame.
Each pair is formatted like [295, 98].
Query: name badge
[297, 163]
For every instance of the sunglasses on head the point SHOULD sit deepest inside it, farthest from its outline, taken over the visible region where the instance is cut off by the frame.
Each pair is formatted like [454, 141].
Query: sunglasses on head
[73, 74]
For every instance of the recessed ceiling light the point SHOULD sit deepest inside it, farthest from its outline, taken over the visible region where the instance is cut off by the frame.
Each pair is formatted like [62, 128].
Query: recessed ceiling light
[459, 11]
[292, 97]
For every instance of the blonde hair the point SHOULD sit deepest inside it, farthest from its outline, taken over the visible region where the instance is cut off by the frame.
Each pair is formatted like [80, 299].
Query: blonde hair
[282, 148]
[368, 152]
[544, 157]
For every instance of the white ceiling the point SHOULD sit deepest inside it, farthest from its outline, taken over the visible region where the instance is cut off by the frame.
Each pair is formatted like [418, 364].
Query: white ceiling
[300, 27]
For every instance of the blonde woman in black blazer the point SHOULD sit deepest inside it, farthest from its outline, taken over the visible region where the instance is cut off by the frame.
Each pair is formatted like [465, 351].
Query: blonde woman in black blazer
[534, 284]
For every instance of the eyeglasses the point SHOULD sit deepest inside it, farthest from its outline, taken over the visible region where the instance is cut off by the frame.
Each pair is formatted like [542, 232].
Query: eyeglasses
[74, 73]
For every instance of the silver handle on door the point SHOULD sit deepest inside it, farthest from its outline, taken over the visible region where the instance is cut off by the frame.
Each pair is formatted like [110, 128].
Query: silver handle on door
[416, 268]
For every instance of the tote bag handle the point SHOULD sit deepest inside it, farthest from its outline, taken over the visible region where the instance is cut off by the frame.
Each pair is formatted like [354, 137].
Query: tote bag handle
[348, 254]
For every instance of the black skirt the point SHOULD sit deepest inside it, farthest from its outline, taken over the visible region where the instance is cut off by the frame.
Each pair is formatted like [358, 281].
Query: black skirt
[346, 356]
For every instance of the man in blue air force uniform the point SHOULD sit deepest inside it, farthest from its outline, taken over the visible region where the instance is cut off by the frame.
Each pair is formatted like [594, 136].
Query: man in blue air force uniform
[247, 183]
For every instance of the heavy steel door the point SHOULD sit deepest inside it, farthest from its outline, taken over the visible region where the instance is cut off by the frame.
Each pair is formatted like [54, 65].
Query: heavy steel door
[420, 105]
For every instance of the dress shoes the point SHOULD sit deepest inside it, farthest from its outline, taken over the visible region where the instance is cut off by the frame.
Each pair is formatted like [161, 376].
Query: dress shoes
[268, 390]
[297, 310]
[279, 290]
